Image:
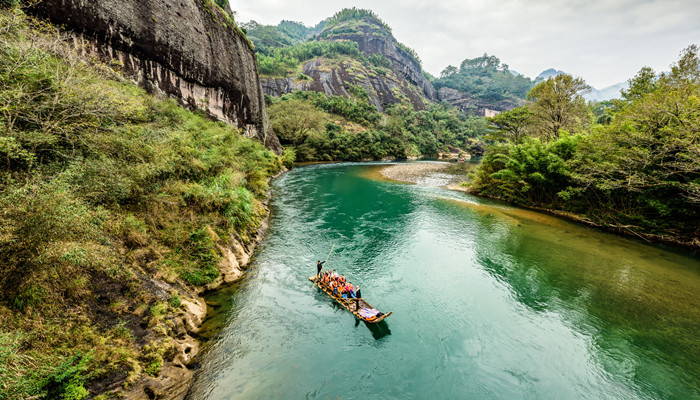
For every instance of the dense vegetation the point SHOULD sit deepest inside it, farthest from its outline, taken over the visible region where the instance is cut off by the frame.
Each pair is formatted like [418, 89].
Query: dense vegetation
[352, 20]
[286, 60]
[285, 34]
[485, 78]
[102, 188]
[631, 164]
[317, 127]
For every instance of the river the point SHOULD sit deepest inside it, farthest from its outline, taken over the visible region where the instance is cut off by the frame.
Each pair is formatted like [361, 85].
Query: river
[489, 302]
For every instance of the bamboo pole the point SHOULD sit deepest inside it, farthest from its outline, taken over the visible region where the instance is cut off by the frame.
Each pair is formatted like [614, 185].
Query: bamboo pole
[326, 260]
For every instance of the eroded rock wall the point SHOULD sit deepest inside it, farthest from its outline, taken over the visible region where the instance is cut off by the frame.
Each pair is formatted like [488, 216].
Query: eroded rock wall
[470, 105]
[177, 373]
[189, 49]
[334, 78]
[401, 82]
[402, 63]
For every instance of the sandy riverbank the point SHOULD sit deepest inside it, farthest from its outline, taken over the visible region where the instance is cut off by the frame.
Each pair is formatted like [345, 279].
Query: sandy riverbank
[445, 175]
[438, 174]
[411, 172]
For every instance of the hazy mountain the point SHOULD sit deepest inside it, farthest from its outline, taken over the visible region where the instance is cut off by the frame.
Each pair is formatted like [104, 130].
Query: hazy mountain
[548, 73]
[610, 92]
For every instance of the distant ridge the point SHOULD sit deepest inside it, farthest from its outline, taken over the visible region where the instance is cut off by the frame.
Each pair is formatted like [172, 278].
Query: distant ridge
[607, 93]
[548, 73]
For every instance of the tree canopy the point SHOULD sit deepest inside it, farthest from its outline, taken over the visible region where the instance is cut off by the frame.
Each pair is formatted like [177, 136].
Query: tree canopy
[294, 120]
[485, 78]
[635, 168]
[558, 104]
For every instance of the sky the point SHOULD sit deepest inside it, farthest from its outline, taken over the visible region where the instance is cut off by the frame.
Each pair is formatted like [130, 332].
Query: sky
[603, 41]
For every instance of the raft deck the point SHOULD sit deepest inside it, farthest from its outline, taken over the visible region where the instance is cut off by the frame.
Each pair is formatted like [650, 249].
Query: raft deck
[352, 304]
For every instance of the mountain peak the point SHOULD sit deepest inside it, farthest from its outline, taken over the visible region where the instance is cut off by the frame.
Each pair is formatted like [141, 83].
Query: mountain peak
[548, 73]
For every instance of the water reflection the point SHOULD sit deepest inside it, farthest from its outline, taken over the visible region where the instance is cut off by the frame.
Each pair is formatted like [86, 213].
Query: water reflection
[639, 303]
[489, 302]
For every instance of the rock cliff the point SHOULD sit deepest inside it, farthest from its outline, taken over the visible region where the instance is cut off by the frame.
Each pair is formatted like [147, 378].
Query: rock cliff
[189, 49]
[402, 63]
[335, 77]
[473, 106]
[399, 80]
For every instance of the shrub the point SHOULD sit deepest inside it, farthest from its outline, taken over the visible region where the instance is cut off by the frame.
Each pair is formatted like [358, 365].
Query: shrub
[204, 256]
[289, 156]
[101, 182]
[66, 382]
[223, 4]
[175, 301]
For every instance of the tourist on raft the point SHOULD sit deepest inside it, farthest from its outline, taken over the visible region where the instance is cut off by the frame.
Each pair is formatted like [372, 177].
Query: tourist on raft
[334, 283]
[339, 285]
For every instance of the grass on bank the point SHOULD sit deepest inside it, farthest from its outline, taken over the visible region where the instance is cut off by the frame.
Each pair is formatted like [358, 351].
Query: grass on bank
[102, 189]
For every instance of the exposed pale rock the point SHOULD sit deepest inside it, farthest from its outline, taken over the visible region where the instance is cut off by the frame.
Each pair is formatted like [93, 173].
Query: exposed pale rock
[470, 105]
[404, 80]
[195, 311]
[228, 266]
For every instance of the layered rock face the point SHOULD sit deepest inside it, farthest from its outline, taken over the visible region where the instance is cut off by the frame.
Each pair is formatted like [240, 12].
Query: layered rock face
[335, 78]
[468, 104]
[402, 63]
[402, 81]
[189, 49]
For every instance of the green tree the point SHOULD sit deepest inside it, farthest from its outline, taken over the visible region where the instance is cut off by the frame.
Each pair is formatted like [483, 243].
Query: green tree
[485, 78]
[644, 82]
[602, 111]
[531, 172]
[647, 162]
[223, 4]
[558, 104]
[450, 70]
[637, 170]
[511, 125]
[294, 120]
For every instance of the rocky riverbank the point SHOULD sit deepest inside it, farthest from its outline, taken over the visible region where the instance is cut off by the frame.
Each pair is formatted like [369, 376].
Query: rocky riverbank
[176, 376]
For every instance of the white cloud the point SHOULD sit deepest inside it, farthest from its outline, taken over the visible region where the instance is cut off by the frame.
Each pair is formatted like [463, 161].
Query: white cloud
[603, 41]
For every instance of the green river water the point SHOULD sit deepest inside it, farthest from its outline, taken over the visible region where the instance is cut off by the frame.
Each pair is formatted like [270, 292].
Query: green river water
[489, 301]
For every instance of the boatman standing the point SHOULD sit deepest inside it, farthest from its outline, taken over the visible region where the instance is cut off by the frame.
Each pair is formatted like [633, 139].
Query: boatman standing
[358, 296]
[319, 266]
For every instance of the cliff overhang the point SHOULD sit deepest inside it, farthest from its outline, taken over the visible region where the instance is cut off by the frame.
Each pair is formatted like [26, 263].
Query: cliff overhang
[189, 49]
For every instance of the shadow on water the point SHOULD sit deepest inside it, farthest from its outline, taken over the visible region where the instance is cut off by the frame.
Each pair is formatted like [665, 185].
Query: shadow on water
[379, 330]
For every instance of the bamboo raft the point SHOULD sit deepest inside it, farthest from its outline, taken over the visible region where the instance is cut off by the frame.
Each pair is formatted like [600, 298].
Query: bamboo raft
[352, 304]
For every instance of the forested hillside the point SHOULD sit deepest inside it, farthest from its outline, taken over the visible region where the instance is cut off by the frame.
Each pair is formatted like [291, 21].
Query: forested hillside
[486, 79]
[355, 47]
[348, 90]
[632, 164]
[314, 127]
[267, 38]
